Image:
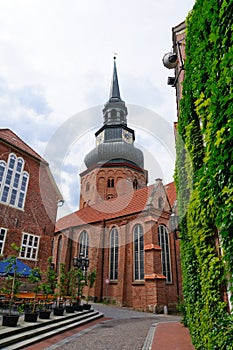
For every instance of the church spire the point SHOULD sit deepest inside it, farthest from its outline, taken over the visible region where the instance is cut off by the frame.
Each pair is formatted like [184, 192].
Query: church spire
[114, 90]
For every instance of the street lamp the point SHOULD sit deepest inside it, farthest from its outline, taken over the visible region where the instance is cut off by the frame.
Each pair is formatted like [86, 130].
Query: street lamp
[173, 223]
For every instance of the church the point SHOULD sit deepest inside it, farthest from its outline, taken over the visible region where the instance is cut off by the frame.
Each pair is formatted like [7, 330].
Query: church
[122, 226]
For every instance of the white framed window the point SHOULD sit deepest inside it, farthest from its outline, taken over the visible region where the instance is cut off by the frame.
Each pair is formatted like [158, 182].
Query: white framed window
[3, 232]
[114, 254]
[138, 239]
[30, 246]
[165, 257]
[13, 182]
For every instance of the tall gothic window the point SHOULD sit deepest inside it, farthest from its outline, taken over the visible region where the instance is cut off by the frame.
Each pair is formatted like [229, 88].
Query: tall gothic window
[138, 239]
[84, 244]
[113, 254]
[166, 259]
[59, 250]
[13, 181]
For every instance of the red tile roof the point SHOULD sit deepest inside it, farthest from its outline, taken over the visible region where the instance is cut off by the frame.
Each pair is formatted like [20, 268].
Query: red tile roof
[171, 192]
[11, 138]
[127, 204]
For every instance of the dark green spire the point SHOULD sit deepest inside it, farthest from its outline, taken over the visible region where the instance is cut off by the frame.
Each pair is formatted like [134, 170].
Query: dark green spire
[115, 90]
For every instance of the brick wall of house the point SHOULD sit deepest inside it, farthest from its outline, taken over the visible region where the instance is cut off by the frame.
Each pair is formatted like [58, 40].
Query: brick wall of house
[39, 213]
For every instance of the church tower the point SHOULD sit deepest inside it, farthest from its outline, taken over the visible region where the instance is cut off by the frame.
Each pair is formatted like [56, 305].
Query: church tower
[114, 166]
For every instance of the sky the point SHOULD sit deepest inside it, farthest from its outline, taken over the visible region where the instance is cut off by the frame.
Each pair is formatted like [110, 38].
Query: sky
[56, 65]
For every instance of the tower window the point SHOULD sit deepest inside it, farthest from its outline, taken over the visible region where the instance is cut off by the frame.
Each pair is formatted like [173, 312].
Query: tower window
[88, 186]
[110, 182]
[135, 184]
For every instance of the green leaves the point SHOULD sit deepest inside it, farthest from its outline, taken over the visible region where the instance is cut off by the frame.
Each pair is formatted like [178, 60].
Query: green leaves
[204, 173]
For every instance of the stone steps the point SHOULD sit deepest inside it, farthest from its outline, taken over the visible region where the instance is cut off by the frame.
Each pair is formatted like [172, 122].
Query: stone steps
[25, 333]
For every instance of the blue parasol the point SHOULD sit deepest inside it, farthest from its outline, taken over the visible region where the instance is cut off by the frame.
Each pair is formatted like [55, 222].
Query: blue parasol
[21, 268]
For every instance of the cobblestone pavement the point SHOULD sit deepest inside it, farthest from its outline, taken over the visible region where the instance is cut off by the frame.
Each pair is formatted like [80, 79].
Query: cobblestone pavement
[126, 330]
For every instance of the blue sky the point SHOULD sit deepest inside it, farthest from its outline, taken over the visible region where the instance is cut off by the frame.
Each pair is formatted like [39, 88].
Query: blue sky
[56, 66]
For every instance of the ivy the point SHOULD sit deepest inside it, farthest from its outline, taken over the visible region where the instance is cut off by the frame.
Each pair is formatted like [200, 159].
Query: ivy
[204, 174]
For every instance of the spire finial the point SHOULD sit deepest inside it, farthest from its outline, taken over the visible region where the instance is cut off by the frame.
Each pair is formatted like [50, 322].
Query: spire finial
[115, 90]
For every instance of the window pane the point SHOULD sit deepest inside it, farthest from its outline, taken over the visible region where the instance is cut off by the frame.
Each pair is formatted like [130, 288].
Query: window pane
[13, 197]
[5, 194]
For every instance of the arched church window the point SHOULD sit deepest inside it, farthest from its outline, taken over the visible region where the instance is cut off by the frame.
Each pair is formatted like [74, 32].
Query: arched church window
[84, 244]
[160, 203]
[165, 247]
[88, 186]
[135, 184]
[59, 250]
[113, 273]
[138, 239]
[110, 182]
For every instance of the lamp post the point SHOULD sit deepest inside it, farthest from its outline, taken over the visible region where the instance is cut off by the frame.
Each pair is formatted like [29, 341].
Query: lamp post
[174, 229]
[82, 263]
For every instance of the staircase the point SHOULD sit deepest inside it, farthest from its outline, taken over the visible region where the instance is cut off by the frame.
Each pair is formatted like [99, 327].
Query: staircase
[26, 333]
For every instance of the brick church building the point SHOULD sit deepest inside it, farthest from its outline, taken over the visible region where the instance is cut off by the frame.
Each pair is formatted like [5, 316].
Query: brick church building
[122, 225]
[27, 212]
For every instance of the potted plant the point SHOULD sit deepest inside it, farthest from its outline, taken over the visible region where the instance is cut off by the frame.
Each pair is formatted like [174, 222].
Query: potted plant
[12, 288]
[31, 313]
[81, 281]
[48, 288]
[91, 277]
[62, 286]
[71, 289]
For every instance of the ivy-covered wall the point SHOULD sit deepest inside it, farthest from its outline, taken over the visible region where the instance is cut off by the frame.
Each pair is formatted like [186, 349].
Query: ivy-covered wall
[204, 174]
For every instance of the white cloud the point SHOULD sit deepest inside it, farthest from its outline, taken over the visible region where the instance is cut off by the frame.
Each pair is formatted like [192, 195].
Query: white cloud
[56, 61]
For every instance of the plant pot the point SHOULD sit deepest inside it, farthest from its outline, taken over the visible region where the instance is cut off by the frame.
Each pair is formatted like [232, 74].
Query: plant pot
[30, 317]
[87, 306]
[79, 307]
[45, 314]
[10, 321]
[70, 309]
[58, 311]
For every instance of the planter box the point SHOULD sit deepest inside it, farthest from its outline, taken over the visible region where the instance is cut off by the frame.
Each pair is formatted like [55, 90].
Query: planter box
[44, 314]
[78, 307]
[87, 306]
[70, 309]
[10, 321]
[58, 311]
[30, 317]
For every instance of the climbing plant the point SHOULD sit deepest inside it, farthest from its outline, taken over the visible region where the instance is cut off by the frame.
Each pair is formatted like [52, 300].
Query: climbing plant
[204, 174]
